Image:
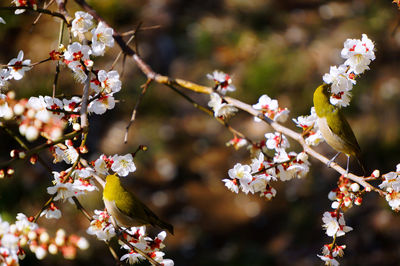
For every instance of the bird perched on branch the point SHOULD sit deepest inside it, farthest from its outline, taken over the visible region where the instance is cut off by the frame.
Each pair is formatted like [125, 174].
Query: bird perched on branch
[334, 127]
[127, 209]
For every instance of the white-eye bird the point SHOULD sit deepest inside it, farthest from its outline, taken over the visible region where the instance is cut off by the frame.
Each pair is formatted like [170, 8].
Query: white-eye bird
[334, 127]
[127, 209]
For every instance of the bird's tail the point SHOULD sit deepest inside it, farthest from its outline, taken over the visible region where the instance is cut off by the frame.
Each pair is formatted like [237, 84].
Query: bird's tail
[165, 225]
[360, 163]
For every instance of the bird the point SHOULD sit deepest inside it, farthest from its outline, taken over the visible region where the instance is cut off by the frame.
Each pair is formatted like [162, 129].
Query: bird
[334, 127]
[126, 209]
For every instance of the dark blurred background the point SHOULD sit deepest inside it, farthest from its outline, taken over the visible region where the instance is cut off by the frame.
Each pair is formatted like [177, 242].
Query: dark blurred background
[279, 48]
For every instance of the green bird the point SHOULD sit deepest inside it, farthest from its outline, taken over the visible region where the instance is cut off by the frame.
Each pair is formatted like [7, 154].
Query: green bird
[126, 209]
[334, 127]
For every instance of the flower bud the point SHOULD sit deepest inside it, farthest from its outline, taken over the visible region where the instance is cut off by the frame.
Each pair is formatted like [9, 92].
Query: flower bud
[358, 201]
[11, 94]
[83, 149]
[22, 155]
[44, 237]
[10, 171]
[375, 173]
[31, 133]
[53, 249]
[83, 244]
[347, 202]
[19, 109]
[8, 113]
[355, 187]
[32, 235]
[76, 126]
[368, 189]
[332, 195]
[14, 153]
[335, 205]
[40, 253]
[33, 159]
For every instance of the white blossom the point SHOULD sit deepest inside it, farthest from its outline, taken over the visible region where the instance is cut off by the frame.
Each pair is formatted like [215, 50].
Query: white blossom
[18, 66]
[359, 54]
[101, 105]
[220, 108]
[123, 164]
[81, 23]
[102, 36]
[222, 80]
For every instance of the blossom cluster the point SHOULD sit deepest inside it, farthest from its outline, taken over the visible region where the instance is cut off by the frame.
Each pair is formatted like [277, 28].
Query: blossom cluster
[312, 134]
[256, 177]
[391, 184]
[335, 226]
[358, 54]
[270, 108]
[137, 237]
[67, 184]
[25, 233]
[223, 84]
[343, 197]
[49, 115]
[346, 194]
[101, 226]
[24, 3]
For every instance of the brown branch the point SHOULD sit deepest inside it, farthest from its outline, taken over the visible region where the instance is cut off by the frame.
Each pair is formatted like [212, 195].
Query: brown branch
[38, 10]
[150, 74]
[43, 146]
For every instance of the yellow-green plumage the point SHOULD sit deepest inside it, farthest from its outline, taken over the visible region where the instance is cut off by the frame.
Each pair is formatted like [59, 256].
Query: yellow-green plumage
[333, 125]
[126, 208]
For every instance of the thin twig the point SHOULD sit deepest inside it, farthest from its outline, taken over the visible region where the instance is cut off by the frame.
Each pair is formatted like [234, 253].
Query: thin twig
[84, 105]
[133, 116]
[133, 32]
[120, 53]
[60, 37]
[45, 206]
[40, 15]
[82, 209]
[43, 146]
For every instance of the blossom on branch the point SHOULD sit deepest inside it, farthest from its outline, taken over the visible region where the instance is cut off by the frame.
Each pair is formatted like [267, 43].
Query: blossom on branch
[102, 37]
[18, 66]
[109, 81]
[391, 183]
[309, 123]
[122, 165]
[359, 54]
[276, 141]
[334, 224]
[101, 105]
[270, 108]
[101, 226]
[223, 81]
[136, 236]
[221, 108]
[24, 3]
[82, 23]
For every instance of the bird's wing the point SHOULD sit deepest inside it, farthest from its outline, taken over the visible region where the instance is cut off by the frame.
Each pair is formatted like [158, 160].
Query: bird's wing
[131, 206]
[339, 126]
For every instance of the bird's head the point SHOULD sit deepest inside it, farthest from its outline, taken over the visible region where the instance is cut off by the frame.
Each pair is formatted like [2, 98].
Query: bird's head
[321, 100]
